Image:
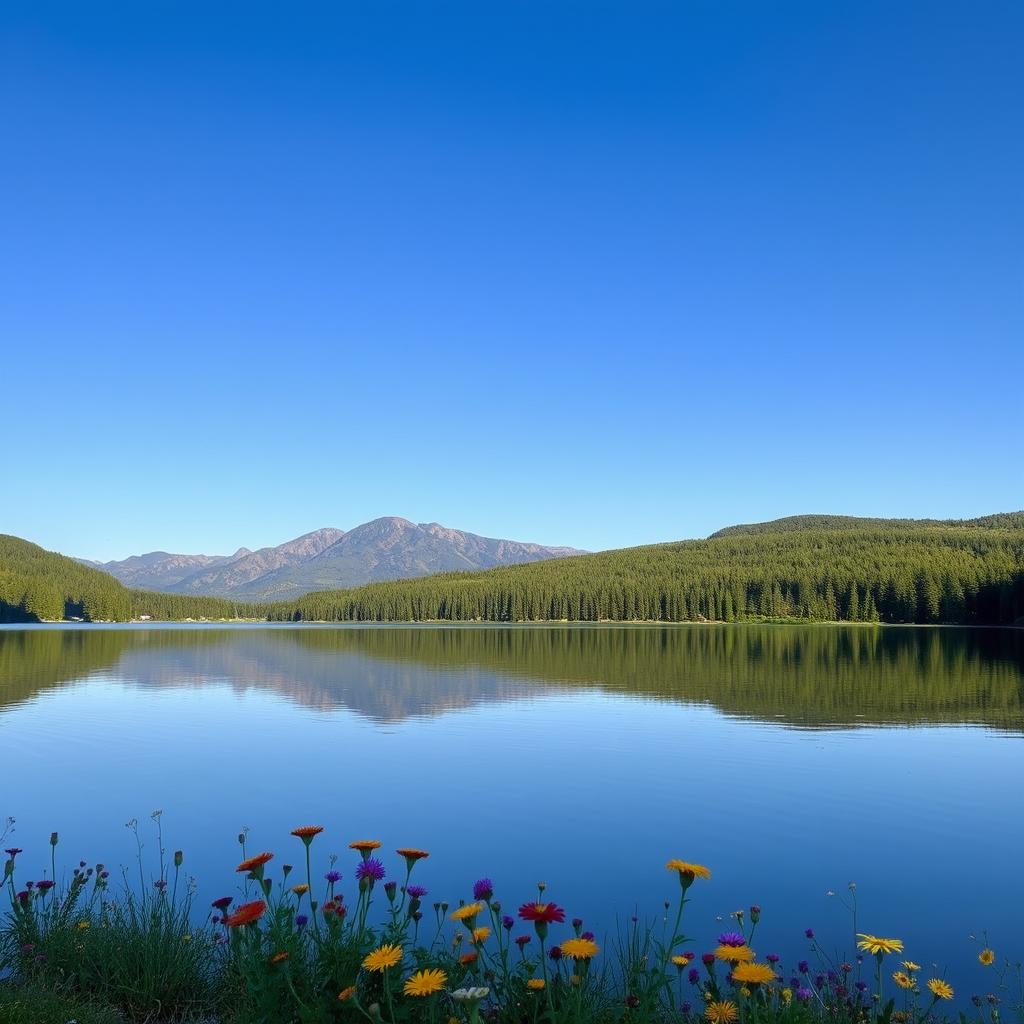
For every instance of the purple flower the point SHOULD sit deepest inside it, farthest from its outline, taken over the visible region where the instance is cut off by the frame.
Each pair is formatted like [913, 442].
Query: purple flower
[588, 935]
[161, 884]
[805, 995]
[732, 939]
[390, 888]
[577, 922]
[483, 890]
[522, 940]
[694, 976]
[772, 958]
[809, 933]
[507, 923]
[370, 869]
[28, 947]
[12, 851]
[803, 967]
[301, 920]
[555, 952]
[861, 986]
[819, 980]
[416, 892]
[46, 885]
[334, 876]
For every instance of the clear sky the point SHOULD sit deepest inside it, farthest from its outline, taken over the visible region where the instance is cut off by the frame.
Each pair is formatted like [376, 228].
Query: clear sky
[581, 273]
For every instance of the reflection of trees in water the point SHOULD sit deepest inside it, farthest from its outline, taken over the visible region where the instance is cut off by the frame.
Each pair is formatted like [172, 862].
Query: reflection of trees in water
[805, 675]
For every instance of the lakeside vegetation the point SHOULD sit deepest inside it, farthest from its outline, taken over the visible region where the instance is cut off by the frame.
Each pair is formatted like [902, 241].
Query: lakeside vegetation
[293, 947]
[812, 569]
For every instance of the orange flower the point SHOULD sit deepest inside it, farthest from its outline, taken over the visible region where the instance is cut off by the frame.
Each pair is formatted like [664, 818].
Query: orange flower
[347, 993]
[364, 845]
[278, 957]
[468, 958]
[255, 862]
[306, 832]
[247, 913]
[411, 855]
[300, 889]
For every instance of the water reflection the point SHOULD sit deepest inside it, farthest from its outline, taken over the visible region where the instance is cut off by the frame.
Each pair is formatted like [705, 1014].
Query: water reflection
[813, 676]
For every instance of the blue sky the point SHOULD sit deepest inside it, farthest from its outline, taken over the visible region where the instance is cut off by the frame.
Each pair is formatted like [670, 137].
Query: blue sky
[582, 273]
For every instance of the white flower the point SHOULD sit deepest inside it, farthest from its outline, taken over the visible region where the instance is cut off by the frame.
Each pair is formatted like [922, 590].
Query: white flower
[470, 995]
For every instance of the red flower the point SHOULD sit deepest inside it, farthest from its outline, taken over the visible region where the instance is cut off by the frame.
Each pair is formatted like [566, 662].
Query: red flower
[247, 913]
[545, 913]
[255, 862]
[223, 903]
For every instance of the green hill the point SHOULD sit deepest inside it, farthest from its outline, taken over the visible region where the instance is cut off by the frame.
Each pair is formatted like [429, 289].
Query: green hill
[790, 524]
[39, 584]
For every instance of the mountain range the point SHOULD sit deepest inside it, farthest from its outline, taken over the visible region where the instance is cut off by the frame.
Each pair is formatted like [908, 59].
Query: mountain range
[382, 549]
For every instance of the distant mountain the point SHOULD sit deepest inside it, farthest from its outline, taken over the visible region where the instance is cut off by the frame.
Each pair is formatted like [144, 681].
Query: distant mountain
[794, 524]
[383, 549]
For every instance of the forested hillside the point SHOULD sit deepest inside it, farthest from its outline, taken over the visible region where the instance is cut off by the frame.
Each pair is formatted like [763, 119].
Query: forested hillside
[39, 584]
[999, 521]
[920, 574]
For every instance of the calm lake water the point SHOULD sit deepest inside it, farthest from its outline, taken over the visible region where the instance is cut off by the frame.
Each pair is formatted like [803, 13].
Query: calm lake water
[791, 760]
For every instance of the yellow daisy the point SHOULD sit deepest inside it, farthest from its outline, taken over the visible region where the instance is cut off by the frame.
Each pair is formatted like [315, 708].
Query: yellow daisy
[879, 947]
[681, 961]
[753, 974]
[580, 949]
[986, 957]
[470, 910]
[300, 889]
[481, 934]
[787, 995]
[535, 984]
[940, 989]
[903, 980]
[721, 1013]
[734, 954]
[911, 966]
[690, 871]
[425, 983]
[382, 958]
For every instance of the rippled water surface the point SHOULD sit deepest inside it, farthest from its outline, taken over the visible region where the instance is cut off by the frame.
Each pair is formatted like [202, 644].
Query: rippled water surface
[791, 760]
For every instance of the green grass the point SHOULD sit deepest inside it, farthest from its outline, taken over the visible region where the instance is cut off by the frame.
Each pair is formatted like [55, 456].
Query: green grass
[33, 1004]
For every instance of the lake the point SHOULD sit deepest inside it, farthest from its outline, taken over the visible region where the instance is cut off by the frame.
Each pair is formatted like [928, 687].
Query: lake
[791, 760]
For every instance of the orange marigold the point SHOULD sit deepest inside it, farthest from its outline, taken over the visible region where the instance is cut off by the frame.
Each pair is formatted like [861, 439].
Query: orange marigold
[411, 853]
[279, 957]
[247, 913]
[346, 993]
[468, 958]
[252, 863]
[307, 831]
[364, 845]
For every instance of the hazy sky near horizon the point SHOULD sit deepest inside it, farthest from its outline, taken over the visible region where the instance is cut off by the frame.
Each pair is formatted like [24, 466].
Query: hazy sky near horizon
[585, 273]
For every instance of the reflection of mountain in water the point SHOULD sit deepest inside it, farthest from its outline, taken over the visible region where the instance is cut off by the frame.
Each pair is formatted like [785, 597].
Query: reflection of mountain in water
[809, 676]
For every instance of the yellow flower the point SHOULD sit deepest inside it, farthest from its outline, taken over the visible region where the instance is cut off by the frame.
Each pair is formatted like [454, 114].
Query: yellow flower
[721, 1013]
[940, 989]
[986, 957]
[186, 938]
[787, 995]
[753, 974]
[535, 984]
[466, 913]
[481, 934]
[903, 980]
[364, 845]
[681, 961]
[575, 979]
[382, 958]
[688, 870]
[734, 954]
[300, 889]
[879, 947]
[425, 983]
[911, 966]
[580, 949]
[745, 991]
[82, 925]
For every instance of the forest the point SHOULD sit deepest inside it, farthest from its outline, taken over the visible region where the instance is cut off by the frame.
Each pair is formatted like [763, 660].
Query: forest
[969, 573]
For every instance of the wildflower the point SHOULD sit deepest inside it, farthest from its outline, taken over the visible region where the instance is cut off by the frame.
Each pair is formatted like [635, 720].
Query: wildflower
[333, 877]
[693, 976]
[721, 1012]
[787, 995]
[160, 884]
[902, 979]
[383, 958]
[681, 960]
[809, 933]
[346, 993]
[688, 872]
[470, 995]
[83, 925]
[481, 934]
[753, 974]
[940, 989]
[253, 863]
[390, 889]
[555, 953]
[425, 982]
[483, 889]
[278, 958]
[13, 851]
[46, 885]
[300, 890]
[804, 995]
[467, 912]
[911, 966]
[746, 992]
[468, 958]
[223, 903]
[365, 846]
[416, 892]
[301, 920]
[247, 913]
[508, 923]
[707, 959]
[53, 838]
[535, 984]
[986, 957]
[411, 855]
[580, 949]
[879, 947]
[574, 980]
[522, 940]
[307, 832]
[734, 954]
[772, 958]
[542, 913]
[370, 870]
[731, 939]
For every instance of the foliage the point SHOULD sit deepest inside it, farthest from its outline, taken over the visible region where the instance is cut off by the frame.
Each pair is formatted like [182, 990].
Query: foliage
[32, 1004]
[300, 952]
